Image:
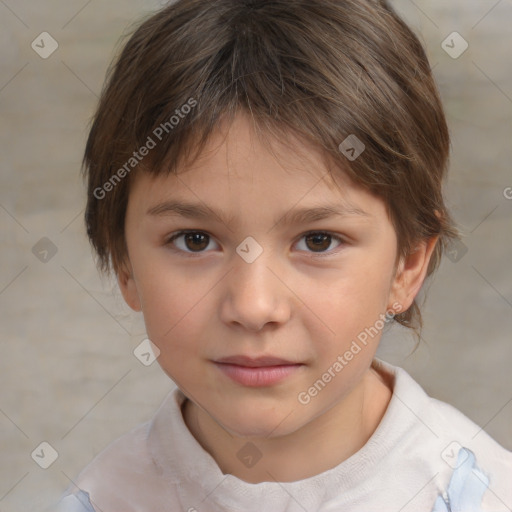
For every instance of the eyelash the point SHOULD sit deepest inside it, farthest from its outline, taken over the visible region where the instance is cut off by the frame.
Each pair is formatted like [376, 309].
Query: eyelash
[173, 237]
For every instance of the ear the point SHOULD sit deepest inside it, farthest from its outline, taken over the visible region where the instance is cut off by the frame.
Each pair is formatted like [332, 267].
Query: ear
[128, 286]
[411, 273]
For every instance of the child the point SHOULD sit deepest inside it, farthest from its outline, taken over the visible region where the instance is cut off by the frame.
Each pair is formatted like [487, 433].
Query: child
[233, 140]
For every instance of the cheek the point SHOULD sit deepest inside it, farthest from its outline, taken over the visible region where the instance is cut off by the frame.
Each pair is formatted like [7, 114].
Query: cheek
[170, 307]
[356, 295]
[176, 327]
[342, 309]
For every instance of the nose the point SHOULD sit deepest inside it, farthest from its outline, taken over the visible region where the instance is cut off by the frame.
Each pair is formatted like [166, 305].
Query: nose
[255, 296]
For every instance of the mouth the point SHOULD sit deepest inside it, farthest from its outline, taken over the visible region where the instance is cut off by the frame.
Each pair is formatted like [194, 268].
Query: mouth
[255, 362]
[258, 371]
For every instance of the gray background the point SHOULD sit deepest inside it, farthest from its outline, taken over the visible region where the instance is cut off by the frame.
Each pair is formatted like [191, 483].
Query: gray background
[67, 372]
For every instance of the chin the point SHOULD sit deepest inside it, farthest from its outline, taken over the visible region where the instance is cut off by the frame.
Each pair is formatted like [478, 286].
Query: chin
[255, 424]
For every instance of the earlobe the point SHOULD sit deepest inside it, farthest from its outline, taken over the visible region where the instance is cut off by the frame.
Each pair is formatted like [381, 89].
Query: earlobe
[411, 273]
[128, 287]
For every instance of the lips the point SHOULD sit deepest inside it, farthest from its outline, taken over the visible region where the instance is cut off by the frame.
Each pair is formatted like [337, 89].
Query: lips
[257, 371]
[255, 362]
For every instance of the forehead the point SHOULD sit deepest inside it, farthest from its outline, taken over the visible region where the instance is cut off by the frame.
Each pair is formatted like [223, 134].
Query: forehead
[239, 170]
[241, 147]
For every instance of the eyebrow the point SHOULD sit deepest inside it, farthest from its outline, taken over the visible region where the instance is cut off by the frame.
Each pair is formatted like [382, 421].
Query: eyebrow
[294, 216]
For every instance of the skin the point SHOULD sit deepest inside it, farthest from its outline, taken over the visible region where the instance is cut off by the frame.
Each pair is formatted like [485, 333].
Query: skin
[300, 300]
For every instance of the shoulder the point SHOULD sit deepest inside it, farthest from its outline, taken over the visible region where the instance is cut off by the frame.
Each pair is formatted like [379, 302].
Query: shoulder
[470, 488]
[120, 453]
[128, 474]
[470, 451]
[457, 431]
[123, 476]
[113, 472]
[440, 440]
[436, 420]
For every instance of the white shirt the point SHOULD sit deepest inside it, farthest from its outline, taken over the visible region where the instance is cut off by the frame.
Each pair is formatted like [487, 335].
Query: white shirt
[406, 465]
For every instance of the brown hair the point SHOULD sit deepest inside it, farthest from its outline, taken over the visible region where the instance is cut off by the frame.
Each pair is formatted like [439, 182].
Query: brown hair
[319, 69]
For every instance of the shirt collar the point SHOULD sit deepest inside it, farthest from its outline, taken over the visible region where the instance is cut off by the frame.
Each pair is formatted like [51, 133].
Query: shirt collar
[183, 461]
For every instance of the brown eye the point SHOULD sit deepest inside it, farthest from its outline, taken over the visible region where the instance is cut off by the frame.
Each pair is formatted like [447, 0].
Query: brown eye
[190, 241]
[196, 241]
[319, 242]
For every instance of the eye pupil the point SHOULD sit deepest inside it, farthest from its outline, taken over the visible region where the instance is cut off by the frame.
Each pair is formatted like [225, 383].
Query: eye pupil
[196, 238]
[319, 238]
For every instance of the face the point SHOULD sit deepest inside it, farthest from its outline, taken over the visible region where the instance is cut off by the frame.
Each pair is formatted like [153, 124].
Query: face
[256, 273]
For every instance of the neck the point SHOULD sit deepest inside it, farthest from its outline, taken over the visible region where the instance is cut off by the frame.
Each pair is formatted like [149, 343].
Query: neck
[321, 444]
